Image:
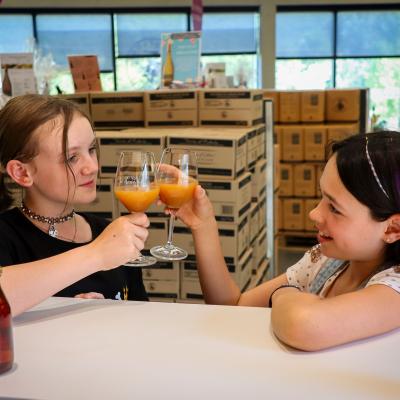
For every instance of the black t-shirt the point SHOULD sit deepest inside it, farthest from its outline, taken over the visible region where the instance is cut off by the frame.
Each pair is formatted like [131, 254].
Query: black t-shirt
[21, 242]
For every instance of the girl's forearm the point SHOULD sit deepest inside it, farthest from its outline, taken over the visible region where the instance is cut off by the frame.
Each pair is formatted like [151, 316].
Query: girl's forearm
[216, 282]
[26, 285]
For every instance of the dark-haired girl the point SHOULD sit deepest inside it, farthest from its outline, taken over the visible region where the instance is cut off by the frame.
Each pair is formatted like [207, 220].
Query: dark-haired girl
[348, 286]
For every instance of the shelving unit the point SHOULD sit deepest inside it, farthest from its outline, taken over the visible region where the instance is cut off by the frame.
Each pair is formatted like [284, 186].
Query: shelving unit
[270, 188]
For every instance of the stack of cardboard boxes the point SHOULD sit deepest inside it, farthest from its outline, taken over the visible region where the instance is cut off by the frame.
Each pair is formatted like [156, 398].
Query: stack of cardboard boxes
[230, 148]
[307, 122]
[224, 128]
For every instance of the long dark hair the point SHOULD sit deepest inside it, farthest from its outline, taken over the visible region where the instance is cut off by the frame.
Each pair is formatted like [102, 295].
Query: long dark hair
[358, 177]
[19, 119]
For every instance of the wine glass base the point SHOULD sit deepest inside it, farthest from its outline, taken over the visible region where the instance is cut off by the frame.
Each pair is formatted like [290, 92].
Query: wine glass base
[141, 262]
[168, 253]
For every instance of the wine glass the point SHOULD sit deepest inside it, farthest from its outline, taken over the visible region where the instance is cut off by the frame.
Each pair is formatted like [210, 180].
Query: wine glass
[136, 188]
[177, 178]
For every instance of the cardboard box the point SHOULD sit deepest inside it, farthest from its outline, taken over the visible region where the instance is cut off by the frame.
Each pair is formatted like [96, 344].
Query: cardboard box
[319, 169]
[309, 204]
[190, 284]
[277, 166]
[105, 204]
[168, 107]
[304, 180]
[292, 143]
[234, 238]
[278, 138]
[230, 107]
[286, 180]
[111, 144]
[221, 153]
[259, 250]
[315, 141]
[80, 99]
[246, 270]
[158, 232]
[258, 180]
[274, 96]
[231, 200]
[252, 148]
[163, 271]
[117, 110]
[259, 276]
[262, 213]
[277, 214]
[289, 106]
[191, 290]
[157, 289]
[261, 140]
[343, 105]
[337, 132]
[312, 108]
[255, 145]
[293, 214]
[254, 220]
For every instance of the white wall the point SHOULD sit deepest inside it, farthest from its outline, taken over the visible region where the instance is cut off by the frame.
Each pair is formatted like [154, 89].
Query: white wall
[267, 7]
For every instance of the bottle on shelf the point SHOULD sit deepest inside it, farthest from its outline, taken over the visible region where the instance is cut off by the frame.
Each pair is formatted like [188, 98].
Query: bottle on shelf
[168, 69]
[6, 340]
[6, 84]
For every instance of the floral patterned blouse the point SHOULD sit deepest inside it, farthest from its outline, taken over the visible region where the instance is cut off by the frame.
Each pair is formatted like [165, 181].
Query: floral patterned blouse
[315, 273]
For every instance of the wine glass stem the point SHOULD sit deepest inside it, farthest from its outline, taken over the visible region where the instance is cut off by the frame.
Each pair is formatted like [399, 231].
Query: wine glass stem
[170, 231]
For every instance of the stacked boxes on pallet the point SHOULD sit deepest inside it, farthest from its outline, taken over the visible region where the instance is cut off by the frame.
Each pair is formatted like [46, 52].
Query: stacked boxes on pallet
[224, 128]
[308, 121]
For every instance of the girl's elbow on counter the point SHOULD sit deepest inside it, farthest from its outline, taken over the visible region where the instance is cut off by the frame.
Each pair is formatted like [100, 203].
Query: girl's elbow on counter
[299, 328]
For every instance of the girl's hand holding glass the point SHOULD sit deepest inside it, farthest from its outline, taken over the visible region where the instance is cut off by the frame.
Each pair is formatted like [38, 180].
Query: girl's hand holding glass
[136, 187]
[177, 177]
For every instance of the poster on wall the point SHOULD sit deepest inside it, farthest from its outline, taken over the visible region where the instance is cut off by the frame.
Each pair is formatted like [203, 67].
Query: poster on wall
[180, 58]
[17, 76]
[85, 73]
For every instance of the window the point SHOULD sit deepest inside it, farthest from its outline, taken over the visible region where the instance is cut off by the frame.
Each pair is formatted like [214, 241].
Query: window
[66, 34]
[233, 38]
[16, 40]
[127, 41]
[138, 47]
[323, 47]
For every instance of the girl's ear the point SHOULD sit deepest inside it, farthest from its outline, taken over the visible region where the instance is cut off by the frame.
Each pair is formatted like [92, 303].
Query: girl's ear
[20, 173]
[392, 233]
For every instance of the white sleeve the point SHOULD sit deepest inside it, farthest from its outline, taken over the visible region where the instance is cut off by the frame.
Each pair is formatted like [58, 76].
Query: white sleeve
[389, 277]
[304, 271]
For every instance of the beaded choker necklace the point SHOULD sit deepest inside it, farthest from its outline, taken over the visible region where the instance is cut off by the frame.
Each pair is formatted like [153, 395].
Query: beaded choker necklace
[52, 221]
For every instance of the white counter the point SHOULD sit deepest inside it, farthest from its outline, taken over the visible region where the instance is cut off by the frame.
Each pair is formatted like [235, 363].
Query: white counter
[103, 349]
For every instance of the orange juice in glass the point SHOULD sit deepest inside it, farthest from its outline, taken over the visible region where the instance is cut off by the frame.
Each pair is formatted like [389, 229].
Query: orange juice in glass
[136, 187]
[177, 179]
[137, 199]
[174, 195]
